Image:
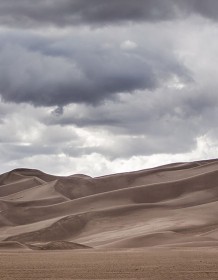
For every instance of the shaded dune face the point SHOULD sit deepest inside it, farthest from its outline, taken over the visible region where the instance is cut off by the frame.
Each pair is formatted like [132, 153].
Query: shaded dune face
[174, 205]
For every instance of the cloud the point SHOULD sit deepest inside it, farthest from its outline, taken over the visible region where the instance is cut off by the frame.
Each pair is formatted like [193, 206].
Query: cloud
[59, 71]
[98, 87]
[128, 45]
[96, 164]
[24, 13]
[140, 124]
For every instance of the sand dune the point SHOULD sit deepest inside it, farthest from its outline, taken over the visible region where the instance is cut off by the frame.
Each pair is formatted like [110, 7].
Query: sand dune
[172, 206]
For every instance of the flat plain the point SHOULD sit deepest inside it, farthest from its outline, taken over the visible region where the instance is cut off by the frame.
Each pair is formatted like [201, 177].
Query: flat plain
[152, 264]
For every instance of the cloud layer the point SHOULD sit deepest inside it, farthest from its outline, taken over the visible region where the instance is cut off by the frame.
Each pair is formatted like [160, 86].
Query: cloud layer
[73, 12]
[82, 69]
[106, 86]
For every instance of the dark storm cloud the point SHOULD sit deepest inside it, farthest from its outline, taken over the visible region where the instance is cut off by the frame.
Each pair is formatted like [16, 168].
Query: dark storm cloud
[27, 13]
[78, 70]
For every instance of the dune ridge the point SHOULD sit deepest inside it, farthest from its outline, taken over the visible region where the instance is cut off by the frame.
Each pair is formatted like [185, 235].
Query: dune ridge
[171, 205]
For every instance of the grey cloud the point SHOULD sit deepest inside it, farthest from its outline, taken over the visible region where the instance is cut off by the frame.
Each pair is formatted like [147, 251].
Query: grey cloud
[72, 12]
[58, 111]
[138, 113]
[204, 8]
[17, 151]
[59, 72]
[44, 141]
[166, 121]
[10, 151]
[93, 96]
[126, 147]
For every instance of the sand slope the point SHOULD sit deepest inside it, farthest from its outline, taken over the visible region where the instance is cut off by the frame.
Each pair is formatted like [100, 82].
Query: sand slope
[171, 205]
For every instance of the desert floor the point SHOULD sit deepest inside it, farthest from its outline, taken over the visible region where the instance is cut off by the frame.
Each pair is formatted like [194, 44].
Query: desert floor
[149, 264]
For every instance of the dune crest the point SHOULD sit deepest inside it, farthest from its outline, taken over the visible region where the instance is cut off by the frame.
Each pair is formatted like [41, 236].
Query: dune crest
[171, 205]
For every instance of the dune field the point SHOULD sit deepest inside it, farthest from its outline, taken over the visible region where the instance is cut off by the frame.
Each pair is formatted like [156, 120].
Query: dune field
[172, 208]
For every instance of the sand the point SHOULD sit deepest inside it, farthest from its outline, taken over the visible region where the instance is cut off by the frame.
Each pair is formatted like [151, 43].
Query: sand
[171, 205]
[160, 221]
[149, 265]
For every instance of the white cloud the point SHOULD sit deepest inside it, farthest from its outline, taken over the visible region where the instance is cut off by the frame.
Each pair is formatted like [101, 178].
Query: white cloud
[128, 45]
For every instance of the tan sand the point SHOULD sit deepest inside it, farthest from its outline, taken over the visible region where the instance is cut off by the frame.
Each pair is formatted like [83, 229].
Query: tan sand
[175, 205]
[150, 264]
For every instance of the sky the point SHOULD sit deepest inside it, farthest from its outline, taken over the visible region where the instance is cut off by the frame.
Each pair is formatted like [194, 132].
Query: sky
[100, 87]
